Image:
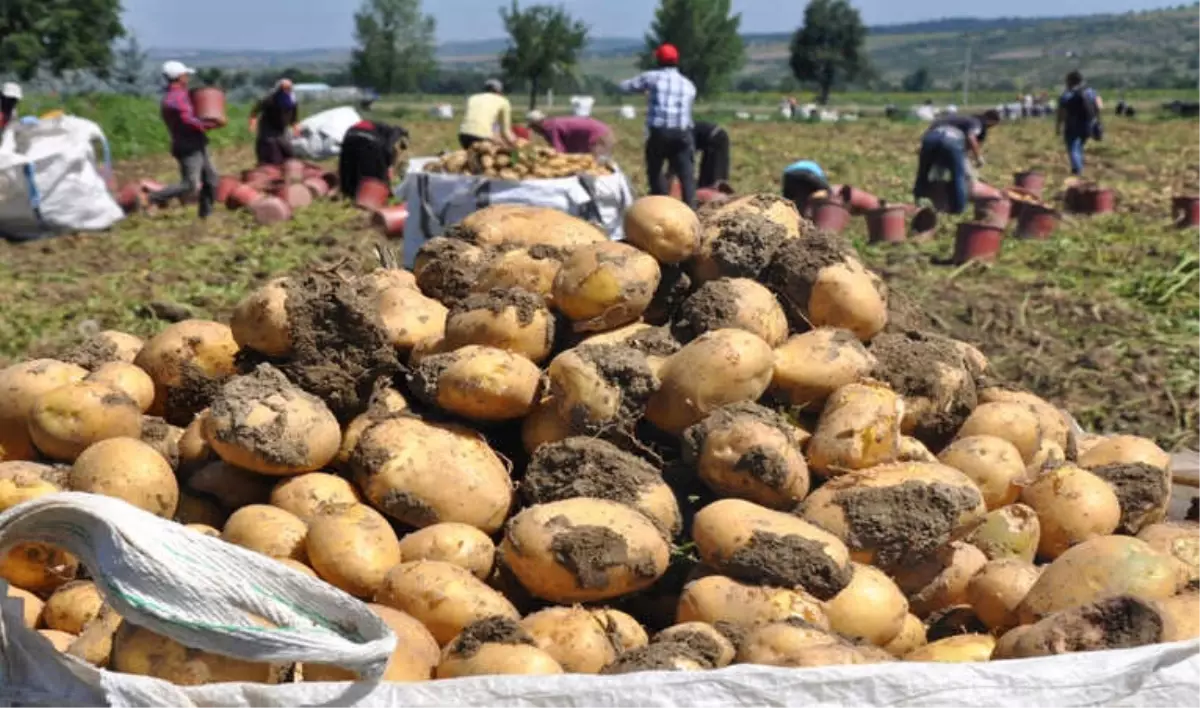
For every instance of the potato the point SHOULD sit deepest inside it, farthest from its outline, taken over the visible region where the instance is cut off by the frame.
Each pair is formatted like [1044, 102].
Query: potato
[72, 606]
[543, 425]
[22, 481]
[586, 467]
[605, 285]
[1111, 623]
[752, 543]
[38, 567]
[1055, 425]
[731, 303]
[976, 361]
[531, 269]
[232, 487]
[296, 566]
[67, 420]
[384, 403]
[715, 647]
[1015, 422]
[895, 515]
[20, 387]
[930, 373]
[720, 367]
[127, 379]
[575, 637]
[1100, 568]
[654, 342]
[129, 470]
[352, 548]
[60, 640]
[820, 282]
[105, 347]
[187, 360]
[913, 450]
[415, 657]
[583, 550]
[994, 464]
[447, 268]
[268, 530]
[478, 382]
[94, 644]
[1178, 539]
[797, 644]
[809, 367]
[939, 581]
[735, 246]
[599, 387]
[460, 544]
[385, 277]
[859, 428]
[503, 224]
[408, 317]
[957, 649]
[750, 452]
[1011, 531]
[194, 450]
[1125, 449]
[307, 495]
[715, 599]
[139, 651]
[1179, 617]
[1143, 492]
[910, 637]
[263, 423]
[623, 630]
[1072, 505]
[206, 530]
[402, 463]
[662, 656]
[199, 510]
[870, 608]
[260, 321]
[774, 208]
[31, 605]
[997, 588]
[513, 320]
[442, 596]
[664, 227]
[163, 438]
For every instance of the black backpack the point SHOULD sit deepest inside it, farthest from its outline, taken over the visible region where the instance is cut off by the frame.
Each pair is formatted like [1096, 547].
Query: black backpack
[1081, 105]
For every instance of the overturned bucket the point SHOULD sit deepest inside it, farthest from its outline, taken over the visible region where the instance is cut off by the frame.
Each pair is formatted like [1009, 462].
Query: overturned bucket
[857, 200]
[317, 186]
[1037, 222]
[225, 187]
[886, 224]
[372, 194]
[830, 215]
[242, 196]
[1030, 180]
[995, 211]
[977, 241]
[391, 220]
[1185, 210]
[1089, 199]
[297, 196]
[270, 210]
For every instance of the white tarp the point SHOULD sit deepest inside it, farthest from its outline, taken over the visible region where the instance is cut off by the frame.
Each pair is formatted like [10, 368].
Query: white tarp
[321, 133]
[436, 201]
[51, 182]
[200, 591]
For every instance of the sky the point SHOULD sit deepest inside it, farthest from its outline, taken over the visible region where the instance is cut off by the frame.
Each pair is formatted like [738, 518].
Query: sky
[309, 24]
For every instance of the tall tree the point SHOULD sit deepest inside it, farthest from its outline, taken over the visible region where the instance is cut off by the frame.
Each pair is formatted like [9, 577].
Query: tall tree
[395, 45]
[918, 81]
[829, 46]
[706, 33]
[129, 66]
[58, 36]
[544, 43]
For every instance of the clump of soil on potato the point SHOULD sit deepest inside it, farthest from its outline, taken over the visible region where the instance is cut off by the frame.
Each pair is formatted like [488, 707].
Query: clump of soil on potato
[674, 286]
[243, 397]
[713, 306]
[904, 314]
[446, 275]
[788, 561]
[194, 393]
[408, 509]
[764, 465]
[493, 630]
[590, 551]
[157, 433]
[423, 380]
[626, 368]
[655, 657]
[656, 341]
[699, 642]
[340, 350]
[745, 243]
[1141, 490]
[92, 353]
[906, 522]
[952, 621]
[922, 364]
[586, 467]
[1115, 623]
[735, 633]
[497, 300]
[794, 269]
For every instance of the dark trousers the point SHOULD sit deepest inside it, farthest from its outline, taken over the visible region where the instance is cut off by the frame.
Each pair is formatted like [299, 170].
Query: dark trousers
[465, 141]
[714, 163]
[272, 149]
[197, 176]
[362, 156]
[945, 150]
[674, 147]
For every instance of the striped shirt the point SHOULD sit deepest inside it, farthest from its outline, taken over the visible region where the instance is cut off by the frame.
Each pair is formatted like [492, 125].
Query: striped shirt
[670, 99]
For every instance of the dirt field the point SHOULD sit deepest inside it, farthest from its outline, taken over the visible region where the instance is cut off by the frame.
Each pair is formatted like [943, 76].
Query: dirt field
[1102, 319]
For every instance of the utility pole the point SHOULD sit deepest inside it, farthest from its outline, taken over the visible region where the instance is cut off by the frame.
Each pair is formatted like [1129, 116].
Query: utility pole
[967, 76]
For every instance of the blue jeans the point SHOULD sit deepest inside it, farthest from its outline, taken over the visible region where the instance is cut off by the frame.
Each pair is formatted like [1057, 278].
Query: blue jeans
[946, 149]
[1075, 143]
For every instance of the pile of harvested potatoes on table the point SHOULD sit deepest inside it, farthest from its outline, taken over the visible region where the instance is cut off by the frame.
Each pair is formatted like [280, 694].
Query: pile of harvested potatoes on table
[542, 451]
[524, 161]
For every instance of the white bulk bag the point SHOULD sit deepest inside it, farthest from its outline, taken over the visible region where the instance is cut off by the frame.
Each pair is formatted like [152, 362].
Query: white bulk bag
[437, 200]
[628, 112]
[321, 134]
[185, 585]
[582, 105]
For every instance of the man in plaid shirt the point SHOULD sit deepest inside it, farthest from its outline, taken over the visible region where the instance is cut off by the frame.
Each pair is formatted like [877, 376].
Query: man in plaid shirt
[189, 143]
[669, 98]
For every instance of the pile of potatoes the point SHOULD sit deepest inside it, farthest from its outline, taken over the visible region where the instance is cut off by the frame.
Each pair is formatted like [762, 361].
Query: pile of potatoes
[487, 158]
[543, 452]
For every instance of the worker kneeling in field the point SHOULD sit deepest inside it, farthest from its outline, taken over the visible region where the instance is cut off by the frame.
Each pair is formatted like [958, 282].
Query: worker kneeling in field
[189, 142]
[369, 149]
[573, 134]
[713, 143]
[945, 148]
[488, 116]
[801, 180]
[274, 120]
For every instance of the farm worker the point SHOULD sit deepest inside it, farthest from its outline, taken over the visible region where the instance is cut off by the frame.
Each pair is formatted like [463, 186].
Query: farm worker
[801, 179]
[488, 115]
[274, 119]
[369, 149]
[946, 146]
[1078, 118]
[669, 139]
[713, 142]
[573, 134]
[189, 142]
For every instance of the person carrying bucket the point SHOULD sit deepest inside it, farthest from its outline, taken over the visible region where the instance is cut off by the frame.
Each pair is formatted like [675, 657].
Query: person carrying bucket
[1078, 119]
[669, 139]
[189, 142]
[801, 180]
[274, 120]
[488, 116]
[369, 149]
[945, 147]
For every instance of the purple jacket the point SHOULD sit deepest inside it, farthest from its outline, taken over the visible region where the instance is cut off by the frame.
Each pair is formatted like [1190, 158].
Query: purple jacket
[573, 134]
[186, 130]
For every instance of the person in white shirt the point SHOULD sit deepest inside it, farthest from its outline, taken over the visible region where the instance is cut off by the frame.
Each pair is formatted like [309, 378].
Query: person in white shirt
[669, 140]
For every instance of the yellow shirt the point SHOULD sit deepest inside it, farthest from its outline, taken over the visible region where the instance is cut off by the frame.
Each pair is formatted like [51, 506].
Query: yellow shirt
[484, 112]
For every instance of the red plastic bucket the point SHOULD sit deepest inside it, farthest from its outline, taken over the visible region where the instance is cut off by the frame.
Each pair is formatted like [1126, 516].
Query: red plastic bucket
[1089, 198]
[885, 224]
[270, 210]
[317, 186]
[243, 195]
[1037, 222]
[331, 179]
[390, 220]
[297, 196]
[977, 241]
[1031, 180]
[858, 201]
[293, 170]
[830, 215]
[1185, 210]
[372, 194]
[225, 187]
[996, 212]
[209, 104]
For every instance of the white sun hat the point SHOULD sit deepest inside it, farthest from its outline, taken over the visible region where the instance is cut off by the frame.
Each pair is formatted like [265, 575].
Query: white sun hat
[175, 69]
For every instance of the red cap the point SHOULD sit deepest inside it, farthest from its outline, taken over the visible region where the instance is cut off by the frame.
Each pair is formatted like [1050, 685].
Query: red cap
[667, 54]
